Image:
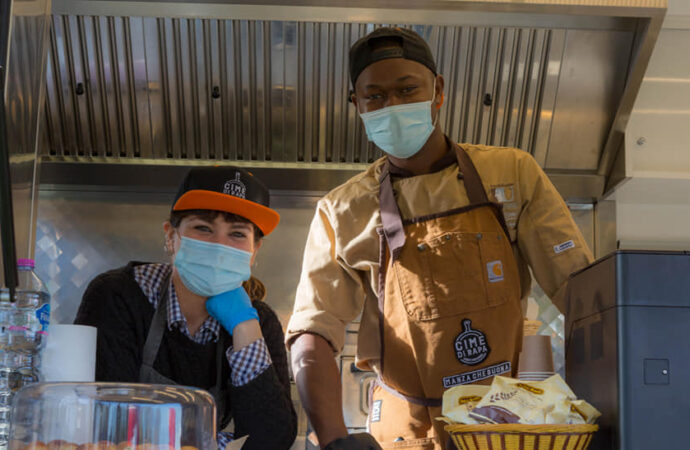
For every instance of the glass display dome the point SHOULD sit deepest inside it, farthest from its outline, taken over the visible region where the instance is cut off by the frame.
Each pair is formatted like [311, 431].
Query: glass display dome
[112, 416]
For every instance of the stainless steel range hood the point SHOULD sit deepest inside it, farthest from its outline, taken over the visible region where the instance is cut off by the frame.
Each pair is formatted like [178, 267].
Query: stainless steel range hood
[139, 90]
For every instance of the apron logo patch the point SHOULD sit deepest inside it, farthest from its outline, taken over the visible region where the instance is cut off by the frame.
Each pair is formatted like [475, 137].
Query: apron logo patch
[560, 248]
[477, 375]
[375, 415]
[495, 270]
[504, 194]
[470, 346]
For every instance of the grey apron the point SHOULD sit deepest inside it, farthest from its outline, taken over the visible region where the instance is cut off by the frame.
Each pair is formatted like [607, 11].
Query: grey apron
[147, 374]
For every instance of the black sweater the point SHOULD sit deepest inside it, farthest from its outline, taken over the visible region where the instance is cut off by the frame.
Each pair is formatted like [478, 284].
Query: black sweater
[116, 305]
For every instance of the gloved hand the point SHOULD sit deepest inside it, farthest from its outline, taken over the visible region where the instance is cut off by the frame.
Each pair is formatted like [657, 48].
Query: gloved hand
[357, 441]
[231, 308]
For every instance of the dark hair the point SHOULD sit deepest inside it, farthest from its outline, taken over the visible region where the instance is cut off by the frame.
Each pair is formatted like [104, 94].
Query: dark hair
[210, 215]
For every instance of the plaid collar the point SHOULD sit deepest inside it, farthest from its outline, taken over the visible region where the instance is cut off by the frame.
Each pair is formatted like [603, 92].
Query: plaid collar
[150, 278]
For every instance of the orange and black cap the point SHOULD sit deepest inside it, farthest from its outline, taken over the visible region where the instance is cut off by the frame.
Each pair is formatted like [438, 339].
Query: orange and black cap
[410, 45]
[228, 189]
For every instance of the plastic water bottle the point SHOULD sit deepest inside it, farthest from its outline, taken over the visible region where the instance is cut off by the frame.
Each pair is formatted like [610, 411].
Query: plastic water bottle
[23, 331]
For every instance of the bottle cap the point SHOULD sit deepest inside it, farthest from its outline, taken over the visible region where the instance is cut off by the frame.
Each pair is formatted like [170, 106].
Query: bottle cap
[25, 262]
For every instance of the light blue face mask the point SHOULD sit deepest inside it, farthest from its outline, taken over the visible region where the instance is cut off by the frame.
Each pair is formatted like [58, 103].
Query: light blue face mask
[400, 130]
[209, 269]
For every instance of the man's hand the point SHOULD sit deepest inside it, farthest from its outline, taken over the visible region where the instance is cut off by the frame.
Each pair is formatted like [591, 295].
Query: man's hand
[359, 441]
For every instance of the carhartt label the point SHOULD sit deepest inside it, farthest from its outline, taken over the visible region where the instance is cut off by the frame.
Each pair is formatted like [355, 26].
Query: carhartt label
[477, 375]
[560, 248]
[376, 411]
[471, 347]
[495, 270]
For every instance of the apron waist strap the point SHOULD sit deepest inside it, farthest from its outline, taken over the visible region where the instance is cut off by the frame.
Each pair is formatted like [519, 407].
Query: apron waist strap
[422, 401]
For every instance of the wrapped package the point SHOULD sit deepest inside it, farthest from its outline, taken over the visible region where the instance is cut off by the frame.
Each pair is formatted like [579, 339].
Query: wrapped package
[458, 401]
[532, 402]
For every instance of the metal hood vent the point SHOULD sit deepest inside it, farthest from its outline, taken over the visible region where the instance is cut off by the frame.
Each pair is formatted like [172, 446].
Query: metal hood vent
[158, 85]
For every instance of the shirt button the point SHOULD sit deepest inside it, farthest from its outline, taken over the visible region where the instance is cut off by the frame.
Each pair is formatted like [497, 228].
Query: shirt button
[421, 247]
[479, 236]
[447, 237]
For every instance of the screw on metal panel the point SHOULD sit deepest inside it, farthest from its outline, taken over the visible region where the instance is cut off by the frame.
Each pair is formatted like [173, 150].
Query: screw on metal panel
[665, 372]
[215, 93]
[641, 141]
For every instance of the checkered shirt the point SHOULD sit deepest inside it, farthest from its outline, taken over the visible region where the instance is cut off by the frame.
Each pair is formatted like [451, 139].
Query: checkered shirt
[245, 364]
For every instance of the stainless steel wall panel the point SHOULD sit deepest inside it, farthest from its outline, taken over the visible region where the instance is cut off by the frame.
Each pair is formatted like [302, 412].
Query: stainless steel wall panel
[260, 91]
[140, 87]
[592, 79]
[24, 89]
[155, 98]
[547, 102]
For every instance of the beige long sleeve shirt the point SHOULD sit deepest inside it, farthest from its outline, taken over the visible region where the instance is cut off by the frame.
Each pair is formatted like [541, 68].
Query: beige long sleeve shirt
[340, 267]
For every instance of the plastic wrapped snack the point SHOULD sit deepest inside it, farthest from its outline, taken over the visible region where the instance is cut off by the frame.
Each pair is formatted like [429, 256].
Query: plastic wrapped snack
[458, 401]
[573, 412]
[538, 402]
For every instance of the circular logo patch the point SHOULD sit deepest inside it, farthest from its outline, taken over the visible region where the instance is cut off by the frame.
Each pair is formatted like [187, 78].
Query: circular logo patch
[471, 347]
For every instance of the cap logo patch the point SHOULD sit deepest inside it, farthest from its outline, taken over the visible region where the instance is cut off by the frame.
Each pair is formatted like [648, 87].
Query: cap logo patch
[235, 187]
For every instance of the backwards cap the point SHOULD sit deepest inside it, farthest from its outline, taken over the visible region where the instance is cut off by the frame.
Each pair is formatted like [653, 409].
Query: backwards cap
[411, 46]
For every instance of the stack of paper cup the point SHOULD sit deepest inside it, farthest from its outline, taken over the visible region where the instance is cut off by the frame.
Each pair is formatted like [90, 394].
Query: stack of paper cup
[536, 359]
[70, 353]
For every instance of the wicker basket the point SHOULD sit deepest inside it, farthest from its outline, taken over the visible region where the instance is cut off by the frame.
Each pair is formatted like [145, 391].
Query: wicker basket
[521, 437]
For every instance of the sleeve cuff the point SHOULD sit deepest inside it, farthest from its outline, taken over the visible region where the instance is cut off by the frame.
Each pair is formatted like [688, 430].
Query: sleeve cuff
[223, 439]
[249, 362]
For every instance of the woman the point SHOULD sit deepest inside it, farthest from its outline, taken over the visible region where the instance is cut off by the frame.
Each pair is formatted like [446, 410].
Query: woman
[192, 322]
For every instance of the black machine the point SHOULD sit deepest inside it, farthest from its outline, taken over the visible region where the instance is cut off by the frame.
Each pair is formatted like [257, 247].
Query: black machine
[628, 348]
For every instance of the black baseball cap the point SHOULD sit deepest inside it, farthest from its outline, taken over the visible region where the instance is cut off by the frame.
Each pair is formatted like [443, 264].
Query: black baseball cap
[228, 189]
[412, 46]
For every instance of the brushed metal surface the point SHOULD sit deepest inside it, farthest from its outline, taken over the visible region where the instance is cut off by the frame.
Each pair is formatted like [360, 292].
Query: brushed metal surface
[589, 90]
[353, 9]
[24, 99]
[253, 90]
[82, 234]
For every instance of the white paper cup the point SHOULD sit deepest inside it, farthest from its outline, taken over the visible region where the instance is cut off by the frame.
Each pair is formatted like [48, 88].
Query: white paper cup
[70, 354]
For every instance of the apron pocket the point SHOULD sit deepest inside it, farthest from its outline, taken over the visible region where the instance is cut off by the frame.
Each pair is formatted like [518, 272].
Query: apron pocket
[450, 274]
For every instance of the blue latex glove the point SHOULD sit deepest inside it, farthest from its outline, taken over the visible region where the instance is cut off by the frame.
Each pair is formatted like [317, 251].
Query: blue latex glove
[231, 308]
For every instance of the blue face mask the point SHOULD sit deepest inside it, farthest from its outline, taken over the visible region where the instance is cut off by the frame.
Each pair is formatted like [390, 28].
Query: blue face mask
[209, 269]
[400, 130]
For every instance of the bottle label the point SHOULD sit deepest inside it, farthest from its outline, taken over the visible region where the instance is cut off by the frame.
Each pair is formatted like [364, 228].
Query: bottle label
[43, 316]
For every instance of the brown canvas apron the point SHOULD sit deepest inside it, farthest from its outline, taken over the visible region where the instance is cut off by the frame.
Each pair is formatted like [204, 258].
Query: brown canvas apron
[449, 309]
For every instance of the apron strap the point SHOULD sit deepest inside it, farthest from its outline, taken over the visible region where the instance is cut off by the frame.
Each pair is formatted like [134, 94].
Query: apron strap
[217, 389]
[422, 401]
[475, 188]
[156, 331]
[473, 183]
[391, 220]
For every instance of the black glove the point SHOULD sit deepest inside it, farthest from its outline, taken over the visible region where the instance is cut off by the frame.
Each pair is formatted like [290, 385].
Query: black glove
[358, 441]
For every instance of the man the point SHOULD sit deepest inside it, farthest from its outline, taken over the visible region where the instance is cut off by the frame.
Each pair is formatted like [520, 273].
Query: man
[431, 245]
